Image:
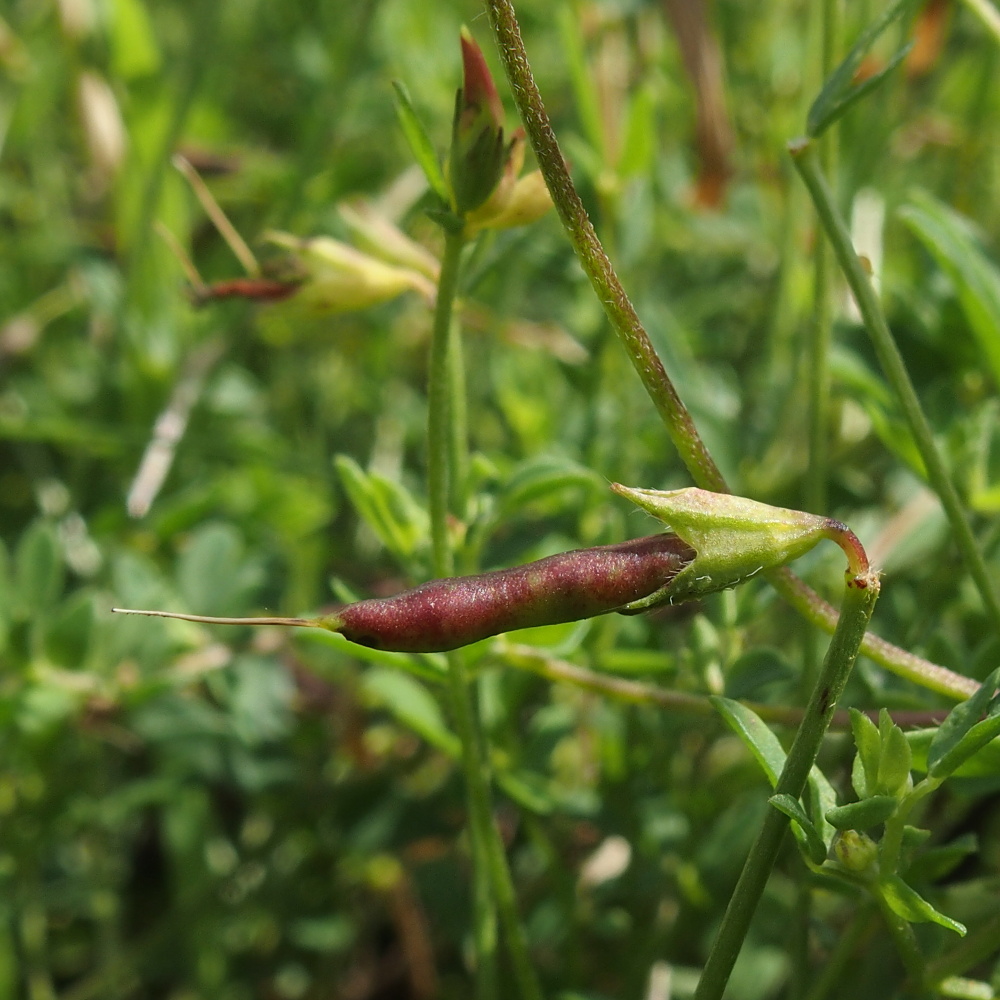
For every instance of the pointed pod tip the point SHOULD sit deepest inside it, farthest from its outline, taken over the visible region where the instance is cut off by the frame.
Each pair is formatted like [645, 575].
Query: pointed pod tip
[213, 620]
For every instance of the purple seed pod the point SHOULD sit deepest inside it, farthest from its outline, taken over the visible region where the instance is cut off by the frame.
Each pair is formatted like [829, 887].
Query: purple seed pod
[445, 614]
[448, 613]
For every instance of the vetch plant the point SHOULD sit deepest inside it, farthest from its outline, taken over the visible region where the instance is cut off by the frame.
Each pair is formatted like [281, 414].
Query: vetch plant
[715, 542]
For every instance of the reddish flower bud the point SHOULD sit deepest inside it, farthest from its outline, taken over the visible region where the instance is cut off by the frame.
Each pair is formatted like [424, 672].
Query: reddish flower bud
[477, 147]
[256, 289]
[479, 92]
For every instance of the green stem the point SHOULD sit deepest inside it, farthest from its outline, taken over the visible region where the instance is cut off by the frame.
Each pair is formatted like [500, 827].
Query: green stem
[493, 884]
[476, 774]
[640, 350]
[859, 602]
[488, 850]
[798, 940]
[458, 459]
[440, 405]
[819, 345]
[891, 847]
[531, 658]
[804, 157]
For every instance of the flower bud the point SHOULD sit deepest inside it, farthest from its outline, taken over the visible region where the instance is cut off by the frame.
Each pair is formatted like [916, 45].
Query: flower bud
[520, 204]
[339, 278]
[380, 237]
[734, 538]
[254, 289]
[856, 851]
[477, 147]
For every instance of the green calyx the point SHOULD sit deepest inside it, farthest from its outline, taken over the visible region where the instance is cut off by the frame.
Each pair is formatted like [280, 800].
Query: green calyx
[734, 538]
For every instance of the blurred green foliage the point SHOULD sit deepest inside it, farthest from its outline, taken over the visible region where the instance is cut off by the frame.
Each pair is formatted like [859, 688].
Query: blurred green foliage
[186, 812]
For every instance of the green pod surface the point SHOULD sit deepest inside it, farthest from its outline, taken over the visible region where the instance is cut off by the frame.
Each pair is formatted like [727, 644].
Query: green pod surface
[452, 612]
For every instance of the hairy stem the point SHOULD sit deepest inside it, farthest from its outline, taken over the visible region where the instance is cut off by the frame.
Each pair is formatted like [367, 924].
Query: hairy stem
[537, 661]
[804, 157]
[855, 613]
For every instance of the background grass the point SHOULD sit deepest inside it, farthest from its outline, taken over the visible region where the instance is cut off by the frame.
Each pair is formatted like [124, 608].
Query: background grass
[186, 812]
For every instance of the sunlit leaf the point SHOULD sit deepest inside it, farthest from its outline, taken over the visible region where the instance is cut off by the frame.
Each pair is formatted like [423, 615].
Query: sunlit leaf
[842, 90]
[907, 903]
[419, 142]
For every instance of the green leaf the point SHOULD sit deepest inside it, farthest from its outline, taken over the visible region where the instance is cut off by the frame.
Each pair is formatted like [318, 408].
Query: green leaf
[895, 758]
[529, 790]
[541, 479]
[419, 142]
[840, 91]
[756, 668]
[753, 731]
[764, 746]
[975, 740]
[961, 988]
[6, 596]
[427, 666]
[866, 739]
[937, 862]
[962, 733]
[413, 705]
[863, 815]
[821, 799]
[323, 934]
[261, 699]
[953, 242]
[38, 570]
[215, 574]
[388, 508]
[586, 99]
[45, 706]
[638, 146]
[907, 903]
[984, 763]
[134, 52]
[68, 635]
[914, 836]
[815, 848]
